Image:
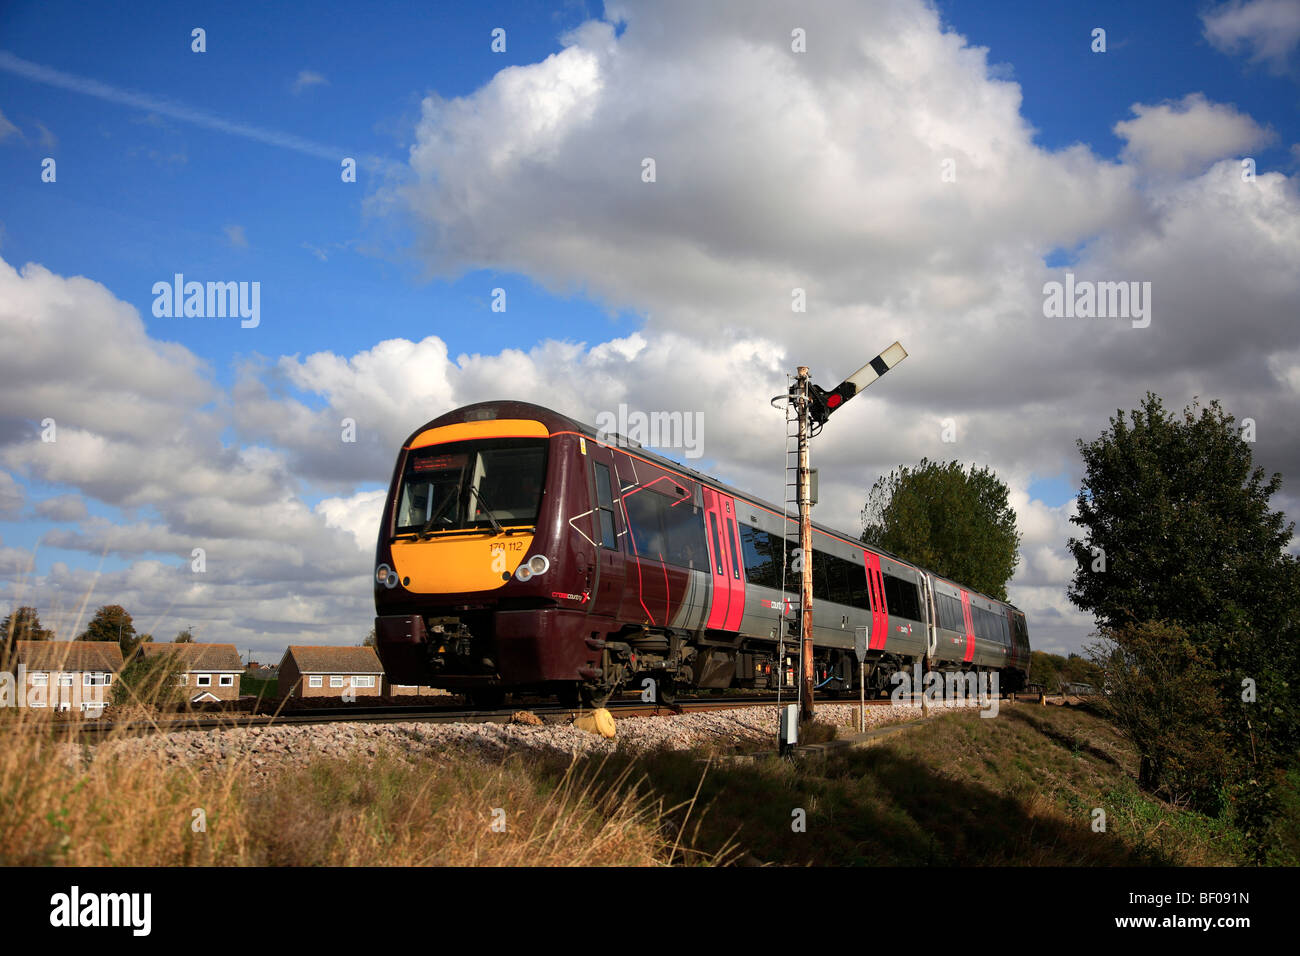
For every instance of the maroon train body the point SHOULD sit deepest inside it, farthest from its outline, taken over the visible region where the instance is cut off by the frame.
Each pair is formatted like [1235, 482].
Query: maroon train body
[520, 550]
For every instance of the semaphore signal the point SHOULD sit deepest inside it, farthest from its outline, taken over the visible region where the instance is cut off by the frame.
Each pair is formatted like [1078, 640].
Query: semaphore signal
[814, 405]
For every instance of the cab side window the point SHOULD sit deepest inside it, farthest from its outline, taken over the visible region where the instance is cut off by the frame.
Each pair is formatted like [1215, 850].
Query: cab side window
[605, 508]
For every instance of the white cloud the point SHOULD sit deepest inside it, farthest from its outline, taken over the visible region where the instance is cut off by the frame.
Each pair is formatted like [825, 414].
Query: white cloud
[235, 236]
[75, 353]
[155, 105]
[307, 79]
[11, 496]
[7, 128]
[1174, 139]
[63, 508]
[358, 515]
[775, 170]
[1268, 29]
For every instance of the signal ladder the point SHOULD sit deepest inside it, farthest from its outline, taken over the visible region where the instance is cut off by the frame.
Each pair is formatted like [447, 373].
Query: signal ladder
[791, 504]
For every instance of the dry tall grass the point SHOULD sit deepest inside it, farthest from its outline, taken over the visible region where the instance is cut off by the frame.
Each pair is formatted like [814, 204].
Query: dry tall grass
[68, 800]
[69, 797]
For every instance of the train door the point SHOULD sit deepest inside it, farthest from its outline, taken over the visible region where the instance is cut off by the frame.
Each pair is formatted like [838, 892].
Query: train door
[931, 617]
[645, 590]
[693, 563]
[970, 626]
[879, 609]
[610, 531]
[736, 607]
[727, 597]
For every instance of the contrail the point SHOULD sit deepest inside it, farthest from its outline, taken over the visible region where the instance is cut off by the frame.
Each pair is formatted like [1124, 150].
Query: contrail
[177, 111]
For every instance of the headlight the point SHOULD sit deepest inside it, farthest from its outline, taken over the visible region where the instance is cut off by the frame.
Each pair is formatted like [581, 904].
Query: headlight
[537, 564]
[386, 576]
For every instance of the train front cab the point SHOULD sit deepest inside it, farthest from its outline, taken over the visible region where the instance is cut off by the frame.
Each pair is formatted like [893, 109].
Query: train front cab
[486, 584]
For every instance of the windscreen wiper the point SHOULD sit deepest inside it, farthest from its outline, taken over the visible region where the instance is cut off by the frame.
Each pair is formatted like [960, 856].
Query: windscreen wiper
[437, 512]
[487, 509]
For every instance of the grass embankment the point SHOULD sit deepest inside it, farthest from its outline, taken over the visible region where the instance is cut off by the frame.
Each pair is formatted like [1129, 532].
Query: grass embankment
[387, 811]
[1019, 789]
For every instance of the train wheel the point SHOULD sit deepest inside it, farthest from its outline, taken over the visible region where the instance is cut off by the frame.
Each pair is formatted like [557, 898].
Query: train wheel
[665, 690]
[489, 698]
[594, 697]
[568, 695]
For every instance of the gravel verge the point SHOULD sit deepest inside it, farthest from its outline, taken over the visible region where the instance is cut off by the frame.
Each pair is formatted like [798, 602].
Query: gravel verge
[266, 748]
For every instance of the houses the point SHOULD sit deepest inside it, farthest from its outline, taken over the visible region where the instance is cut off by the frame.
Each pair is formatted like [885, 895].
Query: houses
[351, 672]
[210, 672]
[66, 675]
[78, 675]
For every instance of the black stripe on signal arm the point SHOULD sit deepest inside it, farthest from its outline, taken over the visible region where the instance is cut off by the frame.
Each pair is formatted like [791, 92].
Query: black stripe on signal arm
[878, 364]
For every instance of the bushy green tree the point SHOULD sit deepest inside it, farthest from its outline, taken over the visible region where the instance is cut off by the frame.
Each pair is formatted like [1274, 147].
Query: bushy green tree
[1045, 670]
[22, 624]
[956, 522]
[150, 681]
[1177, 521]
[1162, 695]
[111, 623]
[1180, 536]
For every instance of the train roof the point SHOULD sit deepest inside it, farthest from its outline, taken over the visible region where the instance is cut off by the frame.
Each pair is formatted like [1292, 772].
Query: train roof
[558, 422]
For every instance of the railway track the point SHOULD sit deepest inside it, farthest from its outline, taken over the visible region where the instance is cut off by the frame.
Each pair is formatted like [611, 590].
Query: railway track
[547, 712]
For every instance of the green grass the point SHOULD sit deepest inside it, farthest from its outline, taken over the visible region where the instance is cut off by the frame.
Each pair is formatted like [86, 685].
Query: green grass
[1018, 789]
[1284, 842]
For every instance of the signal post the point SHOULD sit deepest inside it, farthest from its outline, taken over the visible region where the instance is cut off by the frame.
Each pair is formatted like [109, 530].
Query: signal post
[802, 397]
[815, 405]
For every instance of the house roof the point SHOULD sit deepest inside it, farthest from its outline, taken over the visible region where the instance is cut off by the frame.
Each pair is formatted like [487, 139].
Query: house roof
[199, 657]
[334, 660]
[69, 655]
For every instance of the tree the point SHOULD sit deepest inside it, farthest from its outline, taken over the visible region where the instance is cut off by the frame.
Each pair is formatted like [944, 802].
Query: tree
[1182, 551]
[1161, 695]
[1046, 671]
[184, 637]
[111, 623]
[370, 639]
[150, 681]
[954, 522]
[24, 624]
[1080, 670]
[1177, 520]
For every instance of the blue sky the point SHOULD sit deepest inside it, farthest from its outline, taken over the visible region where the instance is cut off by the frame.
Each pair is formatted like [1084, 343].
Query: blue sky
[143, 187]
[148, 185]
[146, 191]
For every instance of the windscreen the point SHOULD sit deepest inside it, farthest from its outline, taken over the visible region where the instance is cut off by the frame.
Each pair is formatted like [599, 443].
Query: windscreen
[471, 485]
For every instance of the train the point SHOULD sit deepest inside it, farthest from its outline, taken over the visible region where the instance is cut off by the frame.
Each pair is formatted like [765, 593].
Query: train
[521, 551]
